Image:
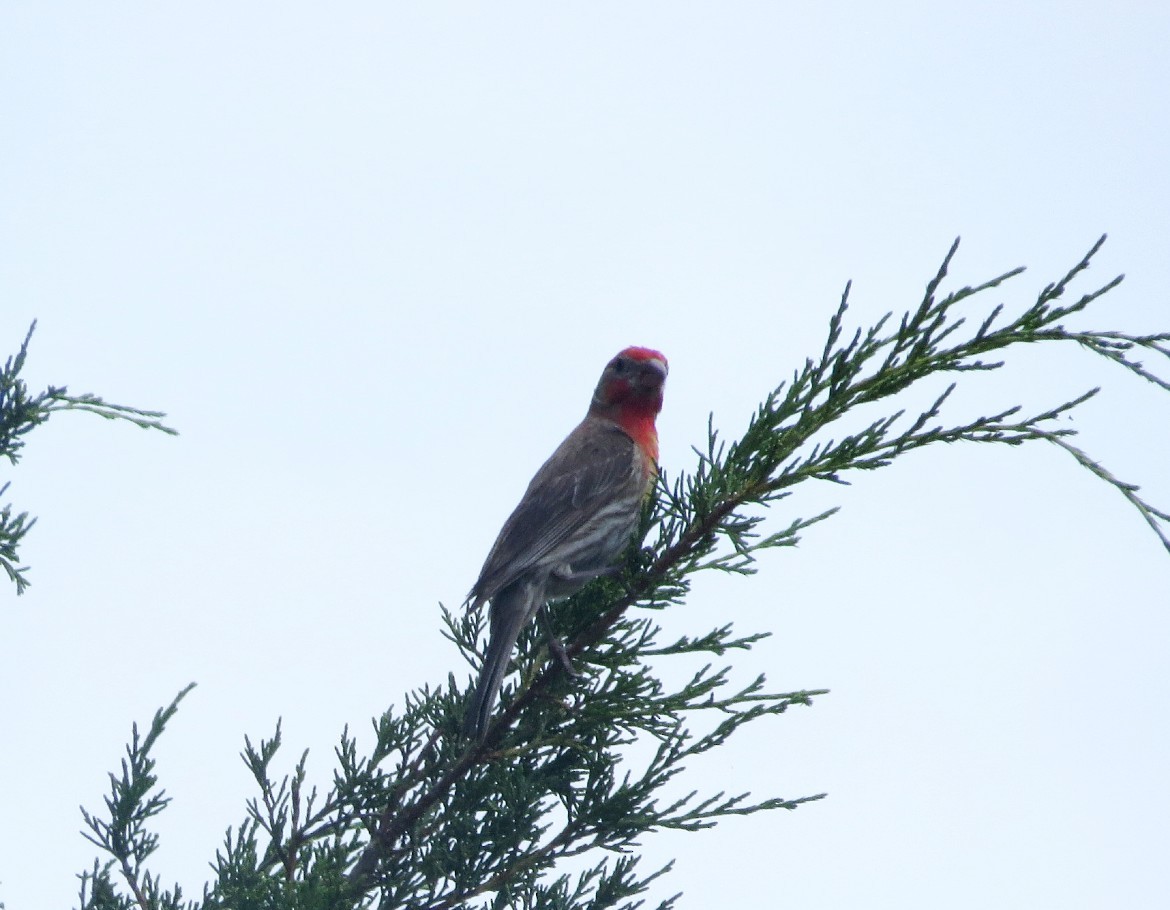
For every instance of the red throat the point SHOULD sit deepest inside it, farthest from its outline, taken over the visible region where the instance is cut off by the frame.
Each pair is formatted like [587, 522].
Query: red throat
[640, 426]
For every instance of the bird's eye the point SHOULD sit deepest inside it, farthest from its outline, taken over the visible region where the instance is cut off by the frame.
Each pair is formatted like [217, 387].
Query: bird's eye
[618, 365]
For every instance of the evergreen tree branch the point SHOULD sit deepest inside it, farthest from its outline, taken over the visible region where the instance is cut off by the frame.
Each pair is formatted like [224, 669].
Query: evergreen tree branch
[123, 833]
[20, 412]
[782, 446]
[425, 819]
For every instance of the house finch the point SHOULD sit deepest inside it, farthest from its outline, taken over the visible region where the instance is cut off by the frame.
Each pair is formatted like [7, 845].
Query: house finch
[576, 516]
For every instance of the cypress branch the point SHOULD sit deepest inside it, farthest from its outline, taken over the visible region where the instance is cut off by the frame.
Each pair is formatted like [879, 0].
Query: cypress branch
[587, 767]
[20, 412]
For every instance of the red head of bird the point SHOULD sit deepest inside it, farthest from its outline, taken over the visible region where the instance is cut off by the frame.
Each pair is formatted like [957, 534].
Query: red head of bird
[630, 394]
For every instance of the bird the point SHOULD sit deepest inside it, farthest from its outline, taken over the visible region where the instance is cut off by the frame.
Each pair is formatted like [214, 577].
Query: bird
[575, 518]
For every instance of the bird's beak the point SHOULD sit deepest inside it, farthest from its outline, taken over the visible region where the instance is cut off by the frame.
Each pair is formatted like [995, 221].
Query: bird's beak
[653, 372]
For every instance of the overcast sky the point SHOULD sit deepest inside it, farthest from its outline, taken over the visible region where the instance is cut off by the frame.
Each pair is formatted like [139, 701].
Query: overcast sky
[371, 258]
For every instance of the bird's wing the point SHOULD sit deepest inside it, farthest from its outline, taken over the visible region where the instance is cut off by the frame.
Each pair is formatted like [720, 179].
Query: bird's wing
[587, 471]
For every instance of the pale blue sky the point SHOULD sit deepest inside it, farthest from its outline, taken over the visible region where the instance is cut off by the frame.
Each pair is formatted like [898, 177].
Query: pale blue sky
[371, 260]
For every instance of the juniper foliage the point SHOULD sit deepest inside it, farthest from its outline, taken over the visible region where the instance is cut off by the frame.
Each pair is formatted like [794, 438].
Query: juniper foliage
[21, 411]
[548, 810]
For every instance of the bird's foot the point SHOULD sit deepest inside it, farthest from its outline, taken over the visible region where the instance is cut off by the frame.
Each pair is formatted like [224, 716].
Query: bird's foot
[555, 646]
[570, 577]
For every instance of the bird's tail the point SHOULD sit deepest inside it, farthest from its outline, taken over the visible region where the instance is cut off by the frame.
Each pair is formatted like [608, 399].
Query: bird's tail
[510, 610]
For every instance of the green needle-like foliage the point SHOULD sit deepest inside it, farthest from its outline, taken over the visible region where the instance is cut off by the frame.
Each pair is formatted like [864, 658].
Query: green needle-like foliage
[549, 809]
[132, 802]
[20, 412]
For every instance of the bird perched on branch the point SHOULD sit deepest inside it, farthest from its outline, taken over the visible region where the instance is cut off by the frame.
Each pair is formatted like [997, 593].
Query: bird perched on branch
[576, 516]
